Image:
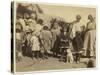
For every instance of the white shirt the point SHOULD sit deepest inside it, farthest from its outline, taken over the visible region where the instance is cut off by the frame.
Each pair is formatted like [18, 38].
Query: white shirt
[76, 27]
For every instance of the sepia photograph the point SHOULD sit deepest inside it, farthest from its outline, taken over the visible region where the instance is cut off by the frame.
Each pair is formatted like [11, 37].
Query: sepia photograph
[52, 37]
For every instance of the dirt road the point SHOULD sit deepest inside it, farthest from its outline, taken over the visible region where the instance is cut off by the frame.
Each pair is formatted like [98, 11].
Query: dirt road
[28, 64]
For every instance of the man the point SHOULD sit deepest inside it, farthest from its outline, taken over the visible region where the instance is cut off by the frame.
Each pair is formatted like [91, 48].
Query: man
[75, 26]
[75, 35]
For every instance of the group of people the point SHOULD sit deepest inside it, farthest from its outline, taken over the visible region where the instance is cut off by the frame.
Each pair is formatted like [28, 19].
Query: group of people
[66, 41]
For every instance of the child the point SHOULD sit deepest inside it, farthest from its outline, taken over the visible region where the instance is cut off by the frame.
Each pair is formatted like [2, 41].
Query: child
[35, 45]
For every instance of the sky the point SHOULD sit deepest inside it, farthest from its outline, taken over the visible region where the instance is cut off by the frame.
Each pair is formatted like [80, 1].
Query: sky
[69, 12]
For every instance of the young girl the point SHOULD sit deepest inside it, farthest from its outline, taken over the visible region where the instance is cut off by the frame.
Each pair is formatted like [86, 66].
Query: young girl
[35, 44]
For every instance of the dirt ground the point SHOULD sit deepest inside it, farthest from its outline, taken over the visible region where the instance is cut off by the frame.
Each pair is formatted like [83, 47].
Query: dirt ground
[28, 64]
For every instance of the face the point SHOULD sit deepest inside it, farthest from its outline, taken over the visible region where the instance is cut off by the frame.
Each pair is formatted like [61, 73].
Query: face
[90, 17]
[78, 18]
[55, 25]
[33, 16]
[26, 15]
[40, 21]
[31, 22]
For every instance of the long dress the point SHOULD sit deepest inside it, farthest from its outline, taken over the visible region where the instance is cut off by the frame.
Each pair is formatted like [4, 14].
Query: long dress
[18, 41]
[35, 43]
[46, 37]
[89, 40]
[18, 36]
[55, 35]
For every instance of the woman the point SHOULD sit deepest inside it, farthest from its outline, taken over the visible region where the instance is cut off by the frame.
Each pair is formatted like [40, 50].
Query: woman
[46, 38]
[18, 41]
[55, 38]
[90, 38]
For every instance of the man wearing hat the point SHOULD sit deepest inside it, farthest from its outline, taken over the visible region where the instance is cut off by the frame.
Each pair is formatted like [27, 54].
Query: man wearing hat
[76, 36]
[76, 26]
